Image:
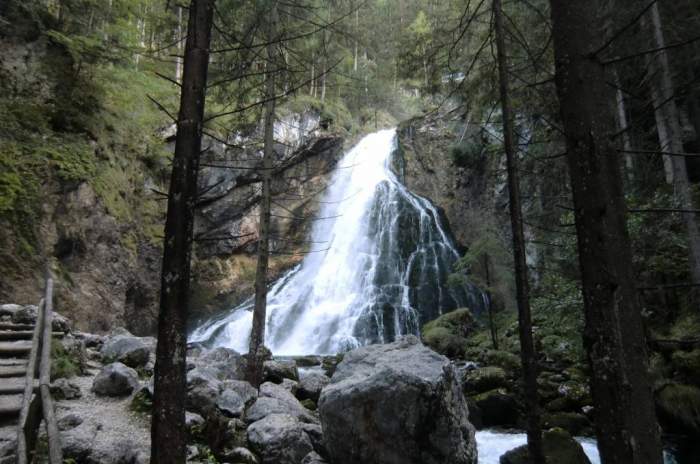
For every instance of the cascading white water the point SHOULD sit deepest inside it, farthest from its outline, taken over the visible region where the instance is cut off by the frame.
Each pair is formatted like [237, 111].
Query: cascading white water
[382, 270]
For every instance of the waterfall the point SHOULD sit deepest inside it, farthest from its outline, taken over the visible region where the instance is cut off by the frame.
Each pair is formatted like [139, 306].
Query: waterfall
[379, 267]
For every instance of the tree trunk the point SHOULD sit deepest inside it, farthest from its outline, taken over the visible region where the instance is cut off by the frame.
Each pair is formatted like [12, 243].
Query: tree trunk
[256, 349]
[527, 346]
[357, 32]
[178, 59]
[168, 432]
[614, 337]
[671, 137]
[492, 326]
[623, 126]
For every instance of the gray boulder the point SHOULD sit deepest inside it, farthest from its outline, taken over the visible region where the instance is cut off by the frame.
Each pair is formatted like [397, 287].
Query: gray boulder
[115, 379]
[275, 399]
[313, 458]
[310, 386]
[63, 389]
[128, 349]
[25, 315]
[276, 370]
[558, 448]
[226, 363]
[230, 403]
[203, 389]
[240, 455]
[396, 403]
[279, 439]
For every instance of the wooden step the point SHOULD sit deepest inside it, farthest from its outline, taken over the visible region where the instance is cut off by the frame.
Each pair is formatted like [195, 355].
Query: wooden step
[15, 385]
[13, 361]
[12, 371]
[10, 405]
[15, 348]
[11, 326]
[16, 335]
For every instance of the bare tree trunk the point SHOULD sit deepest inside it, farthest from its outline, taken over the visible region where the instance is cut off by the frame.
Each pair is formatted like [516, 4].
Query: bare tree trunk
[527, 346]
[256, 350]
[492, 326]
[614, 336]
[312, 89]
[168, 432]
[671, 137]
[357, 32]
[178, 59]
[623, 126]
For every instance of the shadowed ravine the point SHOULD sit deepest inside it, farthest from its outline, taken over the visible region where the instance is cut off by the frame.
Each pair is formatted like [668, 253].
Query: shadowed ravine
[378, 267]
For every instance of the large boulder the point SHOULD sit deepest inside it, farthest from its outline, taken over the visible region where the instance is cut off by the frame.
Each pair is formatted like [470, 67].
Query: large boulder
[227, 364]
[396, 403]
[310, 386]
[276, 370]
[275, 399]
[115, 379]
[558, 447]
[279, 439]
[235, 397]
[203, 389]
[127, 349]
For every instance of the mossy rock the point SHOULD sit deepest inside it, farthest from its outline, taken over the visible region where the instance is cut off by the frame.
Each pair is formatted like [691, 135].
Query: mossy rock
[678, 408]
[484, 378]
[309, 404]
[559, 447]
[448, 333]
[508, 361]
[573, 422]
[498, 408]
[687, 365]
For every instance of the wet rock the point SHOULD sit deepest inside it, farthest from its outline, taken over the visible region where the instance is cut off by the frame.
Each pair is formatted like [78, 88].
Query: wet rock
[498, 408]
[63, 389]
[279, 439]
[558, 446]
[127, 349]
[401, 390]
[115, 379]
[313, 458]
[310, 386]
[276, 370]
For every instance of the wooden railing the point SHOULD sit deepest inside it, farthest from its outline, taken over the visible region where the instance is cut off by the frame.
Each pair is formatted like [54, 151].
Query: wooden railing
[36, 405]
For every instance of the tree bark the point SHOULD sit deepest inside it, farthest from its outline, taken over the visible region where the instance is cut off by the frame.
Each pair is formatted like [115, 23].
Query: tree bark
[492, 325]
[614, 337]
[623, 126]
[256, 349]
[527, 346]
[670, 134]
[168, 432]
[178, 59]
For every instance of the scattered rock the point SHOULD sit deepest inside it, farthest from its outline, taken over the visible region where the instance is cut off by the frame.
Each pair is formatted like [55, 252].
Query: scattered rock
[91, 340]
[69, 421]
[60, 323]
[369, 398]
[290, 385]
[231, 403]
[203, 389]
[9, 309]
[25, 315]
[308, 361]
[558, 446]
[63, 389]
[227, 364]
[313, 458]
[330, 363]
[193, 420]
[240, 455]
[276, 370]
[126, 348]
[279, 439]
[115, 379]
[275, 399]
[310, 386]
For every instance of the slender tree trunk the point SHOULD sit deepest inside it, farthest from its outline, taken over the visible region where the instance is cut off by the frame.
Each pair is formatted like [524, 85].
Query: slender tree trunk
[256, 350]
[492, 326]
[670, 133]
[527, 346]
[614, 336]
[357, 32]
[178, 59]
[312, 88]
[168, 432]
[623, 126]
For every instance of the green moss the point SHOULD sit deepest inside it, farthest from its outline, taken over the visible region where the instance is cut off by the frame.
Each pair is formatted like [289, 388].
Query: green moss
[142, 402]
[448, 333]
[678, 408]
[62, 363]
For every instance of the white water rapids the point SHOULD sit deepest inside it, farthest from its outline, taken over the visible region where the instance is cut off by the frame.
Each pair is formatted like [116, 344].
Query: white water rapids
[381, 270]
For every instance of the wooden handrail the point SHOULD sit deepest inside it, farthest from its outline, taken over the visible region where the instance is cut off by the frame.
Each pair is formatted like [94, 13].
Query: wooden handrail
[55, 452]
[29, 414]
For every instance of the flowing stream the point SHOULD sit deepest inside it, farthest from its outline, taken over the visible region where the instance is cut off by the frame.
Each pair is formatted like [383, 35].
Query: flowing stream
[378, 267]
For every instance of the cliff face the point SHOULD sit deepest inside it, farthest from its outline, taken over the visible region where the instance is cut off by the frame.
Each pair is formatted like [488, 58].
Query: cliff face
[441, 159]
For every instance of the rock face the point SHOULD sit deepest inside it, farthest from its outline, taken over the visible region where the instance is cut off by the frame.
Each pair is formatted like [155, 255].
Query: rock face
[115, 379]
[365, 416]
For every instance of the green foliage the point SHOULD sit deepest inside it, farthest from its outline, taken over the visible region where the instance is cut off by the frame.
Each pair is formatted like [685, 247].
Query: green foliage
[448, 333]
[466, 153]
[678, 407]
[142, 402]
[62, 364]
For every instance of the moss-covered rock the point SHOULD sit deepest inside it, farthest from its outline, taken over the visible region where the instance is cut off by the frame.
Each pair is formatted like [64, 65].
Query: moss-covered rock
[484, 378]
[559, 447]
[687, 365]
[678, 408]
[448, 333]
[508, 361]
[573, 422]
[498, 408]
